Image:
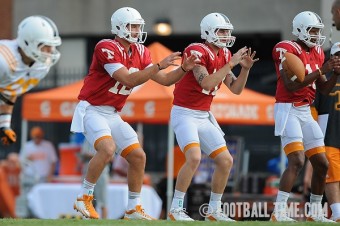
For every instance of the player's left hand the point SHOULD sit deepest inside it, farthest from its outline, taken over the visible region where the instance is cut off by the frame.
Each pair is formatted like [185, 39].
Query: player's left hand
[248, 60]
[170, 60]
[335, 64]
[190, 62]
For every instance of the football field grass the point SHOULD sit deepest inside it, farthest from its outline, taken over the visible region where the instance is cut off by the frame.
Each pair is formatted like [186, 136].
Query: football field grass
[79, 222]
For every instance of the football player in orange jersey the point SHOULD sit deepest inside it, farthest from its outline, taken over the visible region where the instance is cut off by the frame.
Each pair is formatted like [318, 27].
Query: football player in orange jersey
[195, 127]
[24, 61]
[300, 134]
[118, 65]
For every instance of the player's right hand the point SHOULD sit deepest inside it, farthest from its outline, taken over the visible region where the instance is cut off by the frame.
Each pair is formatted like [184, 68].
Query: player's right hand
[7, 136]
[190, 62]
[238, 56]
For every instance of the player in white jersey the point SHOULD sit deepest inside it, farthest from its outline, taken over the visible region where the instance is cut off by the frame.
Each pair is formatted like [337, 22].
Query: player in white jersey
[24, 61]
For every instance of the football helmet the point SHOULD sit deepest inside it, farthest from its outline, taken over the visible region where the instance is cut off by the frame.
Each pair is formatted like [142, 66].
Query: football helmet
[121, 21]
[34, 33]
[303, 23]
[210, 25]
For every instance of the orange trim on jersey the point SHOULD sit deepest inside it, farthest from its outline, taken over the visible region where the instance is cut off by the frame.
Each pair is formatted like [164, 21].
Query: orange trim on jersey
[192, 145]
[9, 57]
[293, 147]
[28, 83]
[100, 139]
[24, 84]
[336, 93]
[129, 149]
[12, 91]
[309, 153]
[20, 82]
[218, 151]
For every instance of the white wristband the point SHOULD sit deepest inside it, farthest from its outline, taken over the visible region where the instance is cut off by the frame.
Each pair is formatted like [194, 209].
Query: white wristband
[293, 78]
[5, 120]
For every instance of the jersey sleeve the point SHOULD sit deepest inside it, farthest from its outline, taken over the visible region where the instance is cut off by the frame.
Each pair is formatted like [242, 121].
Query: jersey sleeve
[146, 58]
[322, 56]
[107, 52]
[199, 51]
[282, 47]
[227, 54]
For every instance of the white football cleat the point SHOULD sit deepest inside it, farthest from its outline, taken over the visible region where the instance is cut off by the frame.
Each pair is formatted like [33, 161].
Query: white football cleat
[218, 215]
[281, 216]
[319, 218]
[179, 214]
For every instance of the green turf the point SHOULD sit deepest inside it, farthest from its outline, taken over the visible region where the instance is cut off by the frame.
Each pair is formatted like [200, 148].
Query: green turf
[76, 222]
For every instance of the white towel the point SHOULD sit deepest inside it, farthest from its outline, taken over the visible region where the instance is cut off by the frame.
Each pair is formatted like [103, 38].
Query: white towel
[215, 123]
[77, 125]
[281, 112]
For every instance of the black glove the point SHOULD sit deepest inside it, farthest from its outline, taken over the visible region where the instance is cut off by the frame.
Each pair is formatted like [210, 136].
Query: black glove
[7, 136]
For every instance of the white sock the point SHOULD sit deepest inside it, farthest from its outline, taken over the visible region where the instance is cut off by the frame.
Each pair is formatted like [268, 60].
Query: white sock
[315, 204]
[87, 188]
[315, 198]
[134, 200]
[215, 201]
[281, 201]
[335, 207]
[178, 200]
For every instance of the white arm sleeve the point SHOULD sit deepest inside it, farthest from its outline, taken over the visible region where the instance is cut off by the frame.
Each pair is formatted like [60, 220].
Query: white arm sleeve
[150, 65]
[112, 68]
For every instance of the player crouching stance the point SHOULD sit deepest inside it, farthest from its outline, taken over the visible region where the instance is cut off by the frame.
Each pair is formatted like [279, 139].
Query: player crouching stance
[195, 127]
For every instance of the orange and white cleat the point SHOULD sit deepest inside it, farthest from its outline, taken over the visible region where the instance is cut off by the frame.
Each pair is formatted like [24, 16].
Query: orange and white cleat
[85, 207]
[281, 216]
[137, 214]
[218, 215]
[319, 218]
